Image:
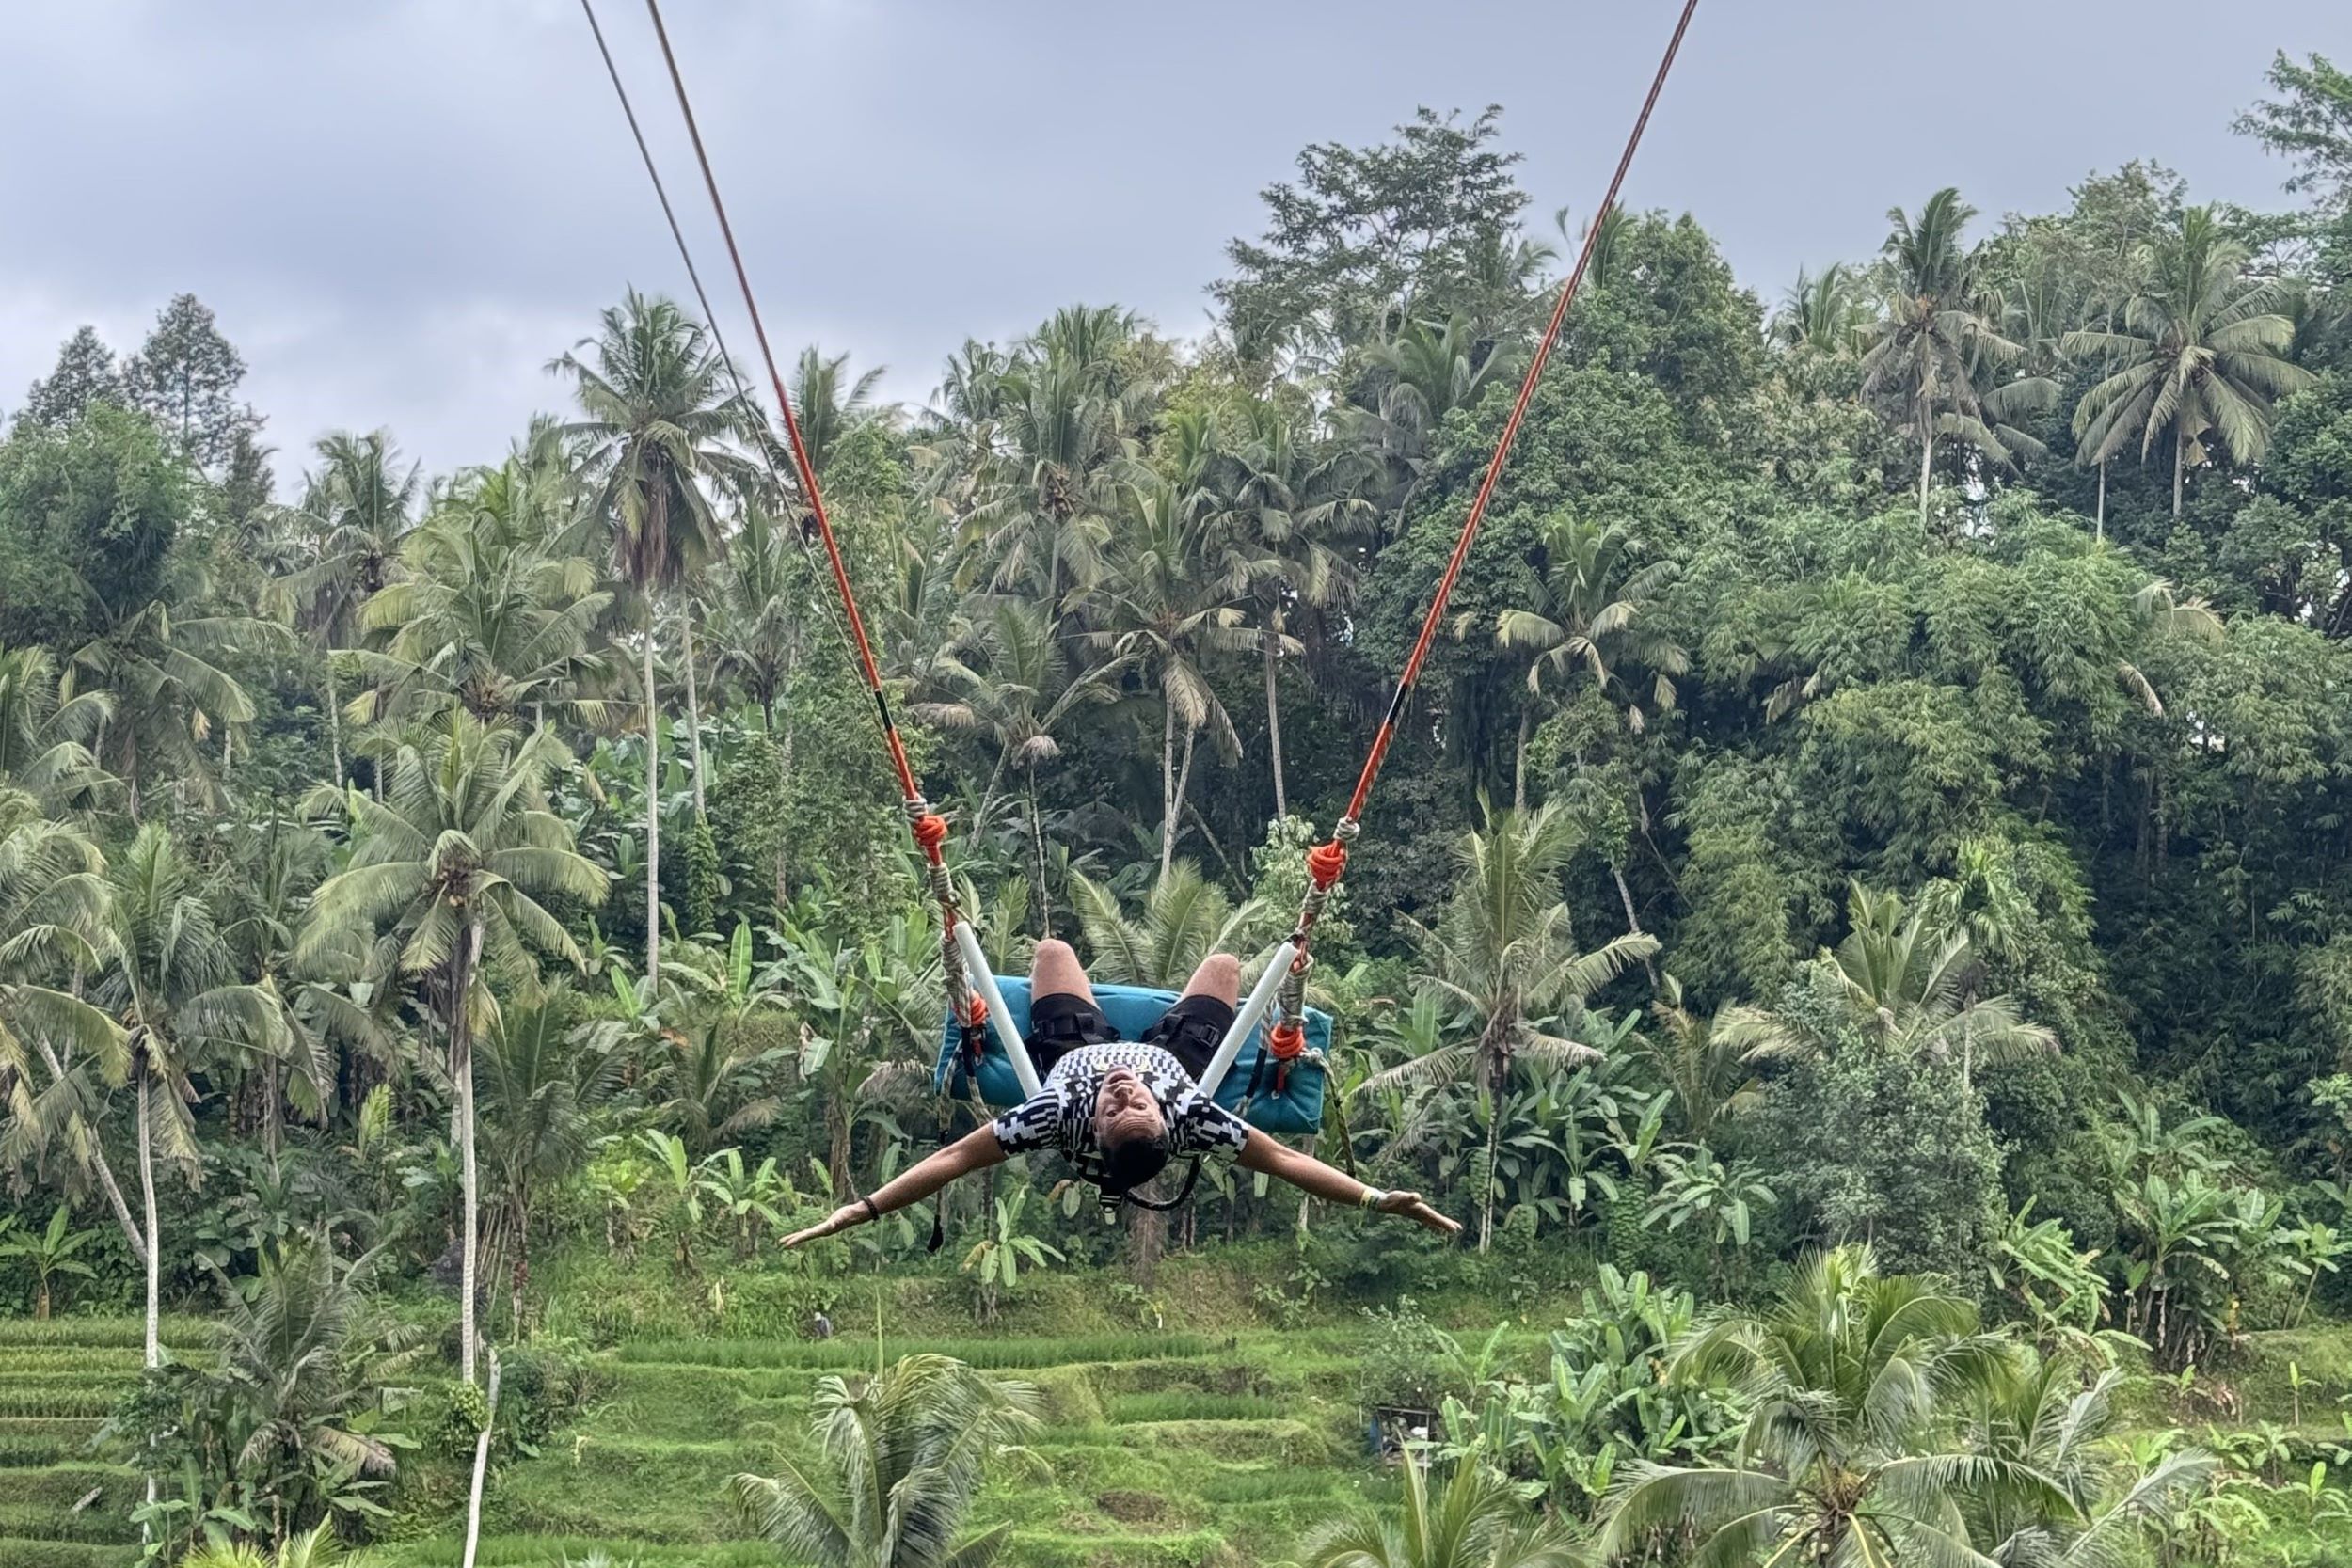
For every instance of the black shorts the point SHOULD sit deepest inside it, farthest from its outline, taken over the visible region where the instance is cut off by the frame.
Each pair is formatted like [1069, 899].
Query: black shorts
[1189, 1031]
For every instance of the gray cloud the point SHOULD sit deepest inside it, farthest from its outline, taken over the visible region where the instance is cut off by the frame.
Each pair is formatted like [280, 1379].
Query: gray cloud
[402, 210]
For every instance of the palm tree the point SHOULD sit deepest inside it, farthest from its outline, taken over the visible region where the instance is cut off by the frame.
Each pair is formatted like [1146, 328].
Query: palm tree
[1016, 688]
[301, 1357]
[487, 620]
[1504, 958]
[1503, 954]
[543, 1082]
[1703, 1059]
[170, 983]
[1056, 430]
[1170, 610]
[1909, 976]
[356, 512]
[900, 1456]
[1588, 615]
[828, 402]
[1844, 1457]
[59, 1053]
[1185, 918]
[2046, 1420]
[1429, 370]
[1938, 343]
[1281, 504]
[1821, 312]
[1477, 1521]
[657, 417]
[44, 743]
[454, 862]
[166, 689]
[2198, 354]
[755, 632]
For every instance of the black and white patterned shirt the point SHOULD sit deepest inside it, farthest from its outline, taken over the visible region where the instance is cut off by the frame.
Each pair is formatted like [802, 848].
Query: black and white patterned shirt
[1061, 1117]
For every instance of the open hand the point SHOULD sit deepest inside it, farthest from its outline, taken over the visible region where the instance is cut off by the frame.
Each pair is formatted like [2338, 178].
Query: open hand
[831, 1224]
[1413, 1207]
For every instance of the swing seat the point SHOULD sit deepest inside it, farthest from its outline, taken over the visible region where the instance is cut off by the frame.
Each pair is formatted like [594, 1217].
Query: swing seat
[1131, 1009]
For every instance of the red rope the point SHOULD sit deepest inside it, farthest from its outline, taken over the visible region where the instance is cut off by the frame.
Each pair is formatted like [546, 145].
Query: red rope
[930, 832]
[1510, 434]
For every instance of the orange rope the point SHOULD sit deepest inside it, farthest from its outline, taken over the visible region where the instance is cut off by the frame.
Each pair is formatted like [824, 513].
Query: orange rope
[930, 830]
[1326, 862]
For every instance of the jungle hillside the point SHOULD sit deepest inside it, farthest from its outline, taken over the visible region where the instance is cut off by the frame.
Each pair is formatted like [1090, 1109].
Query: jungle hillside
[1855, 923]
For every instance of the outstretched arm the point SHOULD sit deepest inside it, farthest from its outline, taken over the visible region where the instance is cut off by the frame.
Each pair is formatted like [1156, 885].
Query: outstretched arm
[1311, 1175]
[975, 1150]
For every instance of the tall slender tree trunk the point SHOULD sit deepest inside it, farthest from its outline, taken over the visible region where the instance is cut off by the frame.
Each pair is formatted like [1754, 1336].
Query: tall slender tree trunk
[470, 1170]
[1927, 465]
[153, 1356]
[1037, 843]
[1183, 783]
[480, 1468]
[334, 724]
[2100, 523]
[153, 1342]
[1168, 779]
[102, 1169]
[1518, 758]
[1271, 645]
[694, 709]
[2180, 464]
[1486, 1188]
[653, 819]
[1632, 921]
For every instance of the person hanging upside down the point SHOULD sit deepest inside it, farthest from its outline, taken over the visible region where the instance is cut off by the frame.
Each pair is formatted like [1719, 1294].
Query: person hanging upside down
[1118, 1110]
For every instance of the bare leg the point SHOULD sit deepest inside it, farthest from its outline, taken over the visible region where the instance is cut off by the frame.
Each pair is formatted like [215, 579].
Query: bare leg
[1054, 971]
[1219, 975]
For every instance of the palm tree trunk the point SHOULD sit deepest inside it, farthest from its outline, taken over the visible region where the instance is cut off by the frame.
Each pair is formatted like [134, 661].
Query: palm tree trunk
[470, 1170]
[652, 820]
[1519, 762]
[334, 724]
[1183, 786]
[693, 711]
[2100, 523]
[153, 1343]
[480, 1468]
[1167, 781]
[2180, 462]
[1271, 644]
[102, 1169]
[1926, 461]
[153, 1348]
[1036, 842]
[1632, 921]
[1486, 1188]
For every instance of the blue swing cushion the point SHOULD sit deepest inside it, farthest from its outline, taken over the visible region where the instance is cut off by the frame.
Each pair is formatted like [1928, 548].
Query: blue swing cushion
[1131, 1009]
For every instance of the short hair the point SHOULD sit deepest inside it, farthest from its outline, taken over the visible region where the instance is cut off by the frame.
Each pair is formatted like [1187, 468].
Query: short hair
[1129, 1163]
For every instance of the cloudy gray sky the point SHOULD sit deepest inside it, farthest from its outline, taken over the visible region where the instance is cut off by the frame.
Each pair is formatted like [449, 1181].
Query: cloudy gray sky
[401, 209]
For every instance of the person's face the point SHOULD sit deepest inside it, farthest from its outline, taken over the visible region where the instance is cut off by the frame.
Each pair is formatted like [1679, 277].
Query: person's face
[1124, 1109]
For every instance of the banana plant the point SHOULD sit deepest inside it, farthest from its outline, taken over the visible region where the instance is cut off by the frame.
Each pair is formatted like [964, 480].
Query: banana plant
[742, 1193]
[996, 1257]
[49, 1255]
[676, 1185]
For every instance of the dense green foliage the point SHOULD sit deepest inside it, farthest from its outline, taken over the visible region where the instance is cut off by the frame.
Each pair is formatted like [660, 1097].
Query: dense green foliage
[1857, 921]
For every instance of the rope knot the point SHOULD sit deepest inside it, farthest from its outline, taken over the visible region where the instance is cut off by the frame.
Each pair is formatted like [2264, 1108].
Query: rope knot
[1326, 862]
[1286, 1042]
[930, 831]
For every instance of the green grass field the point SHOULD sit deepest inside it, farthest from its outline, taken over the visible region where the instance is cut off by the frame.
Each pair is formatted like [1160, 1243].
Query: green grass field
[1154, 1450]
[61, 1506]
[1179, 1449]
